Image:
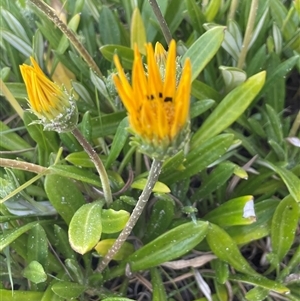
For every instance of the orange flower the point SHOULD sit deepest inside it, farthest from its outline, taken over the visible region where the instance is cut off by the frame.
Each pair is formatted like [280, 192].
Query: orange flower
[49, 102]
[158, 108]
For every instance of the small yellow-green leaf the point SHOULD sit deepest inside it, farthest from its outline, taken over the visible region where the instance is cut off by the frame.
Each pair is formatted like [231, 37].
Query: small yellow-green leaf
[158, 187]
[103, 246]
[138, 32]
[86, 227]
[113, 221]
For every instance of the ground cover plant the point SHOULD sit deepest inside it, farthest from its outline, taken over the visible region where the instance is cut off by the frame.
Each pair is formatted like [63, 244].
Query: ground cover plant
[150, 150]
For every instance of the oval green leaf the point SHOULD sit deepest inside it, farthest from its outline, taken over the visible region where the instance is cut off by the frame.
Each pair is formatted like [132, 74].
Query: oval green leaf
[113, 221]
[85, 227]
[64, 195]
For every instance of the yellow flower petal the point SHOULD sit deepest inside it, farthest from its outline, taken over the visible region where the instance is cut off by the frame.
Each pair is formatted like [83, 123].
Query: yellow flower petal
[158, 109]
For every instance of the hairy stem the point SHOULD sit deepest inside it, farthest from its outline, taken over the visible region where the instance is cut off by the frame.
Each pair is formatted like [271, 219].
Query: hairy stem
[51, 15]
[161, 20]
[248, 33]
[136, 213]
[98, 164]
[233, 7]
[21, 165]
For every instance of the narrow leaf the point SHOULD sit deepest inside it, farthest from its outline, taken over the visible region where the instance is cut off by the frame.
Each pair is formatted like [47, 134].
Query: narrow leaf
[230, 108]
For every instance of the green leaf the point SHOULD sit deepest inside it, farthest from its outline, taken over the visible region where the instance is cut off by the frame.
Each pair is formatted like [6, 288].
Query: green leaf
[106, 124]
[118, 142]
[159, 292]
[67, 290]
[15, 26]
[232, 77]
[203, 50]
[109, 26]
[12, 141]
[82, 159]
[224, 247]
[17, 295]
[202, 91]
[260, 281]
[201, 106]
[161, 217]
[219, 176]
[35, 273]
[238, 211]
[284, 225]
[291, 181]
[274, 128]
[113, 221]
[62, 242]
[125, 54]
[257, 294]
[64, 195]
[16, 42]
[280, 71]
[104, 245]
[75, 173]
[10, 236]
[86, 227]
[168, 246]
[200, 157]
[261, 228]
[37, 245]
[138, 32]
[195, 15]
[158, 187]
[212, 9]
[230, 109]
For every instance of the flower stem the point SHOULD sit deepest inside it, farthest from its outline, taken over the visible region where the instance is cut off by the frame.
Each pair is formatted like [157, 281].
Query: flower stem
[248, 33]
[136, 213]
[51, 15]
[98, 164]
[161, 20]
[233, 7]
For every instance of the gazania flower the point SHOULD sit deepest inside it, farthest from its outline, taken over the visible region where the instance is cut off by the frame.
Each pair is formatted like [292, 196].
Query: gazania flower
[48, 101]
[158, 107]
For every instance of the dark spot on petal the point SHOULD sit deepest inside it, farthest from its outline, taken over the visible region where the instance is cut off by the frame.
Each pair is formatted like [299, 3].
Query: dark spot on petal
[151, 97]
[167, 99]
[160, 95]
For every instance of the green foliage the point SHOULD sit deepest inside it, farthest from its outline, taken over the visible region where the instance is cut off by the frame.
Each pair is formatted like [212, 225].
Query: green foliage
[234, 191]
